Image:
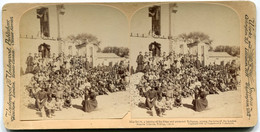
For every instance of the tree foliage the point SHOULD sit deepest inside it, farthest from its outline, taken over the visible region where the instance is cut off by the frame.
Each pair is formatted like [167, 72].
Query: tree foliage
[196, 37]
[231, 50]
[120, 51]
[84, 38]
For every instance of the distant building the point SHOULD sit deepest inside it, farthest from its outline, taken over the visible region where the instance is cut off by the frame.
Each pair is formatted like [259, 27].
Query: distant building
[88, 50]
[108, 59]
[95, 58]
[221, 58]
[199, 50]
[206, 57]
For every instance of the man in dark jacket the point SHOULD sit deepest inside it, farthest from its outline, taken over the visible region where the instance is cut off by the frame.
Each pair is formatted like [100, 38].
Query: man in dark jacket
[29, 63]
[140, 62]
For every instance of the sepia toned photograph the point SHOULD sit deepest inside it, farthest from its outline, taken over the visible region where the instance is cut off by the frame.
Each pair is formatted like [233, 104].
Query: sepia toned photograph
[185, 61]
[74, 63]
[129, 65]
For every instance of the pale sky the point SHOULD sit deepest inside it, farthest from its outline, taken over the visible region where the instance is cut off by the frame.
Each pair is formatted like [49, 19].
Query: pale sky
[111, 26]
[108, 24]
[219, 22]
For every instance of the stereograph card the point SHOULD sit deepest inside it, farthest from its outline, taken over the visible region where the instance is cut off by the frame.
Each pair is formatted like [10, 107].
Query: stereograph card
[129, 65]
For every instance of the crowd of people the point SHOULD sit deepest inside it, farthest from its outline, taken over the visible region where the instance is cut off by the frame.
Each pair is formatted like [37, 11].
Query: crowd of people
[58, 79]
[169, 78]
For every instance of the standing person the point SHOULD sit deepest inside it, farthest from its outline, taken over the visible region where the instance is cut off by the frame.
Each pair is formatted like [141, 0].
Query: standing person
[56, 64]
[146, 57]
[178, 62]
[35, 58]
[169, 92]
[29, 63]
[36, 69]
[147, 67]
[167, 63]
[87, 65]
[197, 62]
[140, 62]
[164, 55]
[160, 106]
[59, 96]
[49, 106]
[145, 89]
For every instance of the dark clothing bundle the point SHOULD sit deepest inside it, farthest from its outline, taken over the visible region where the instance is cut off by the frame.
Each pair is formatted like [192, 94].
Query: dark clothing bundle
[200, 104]
[90, 103]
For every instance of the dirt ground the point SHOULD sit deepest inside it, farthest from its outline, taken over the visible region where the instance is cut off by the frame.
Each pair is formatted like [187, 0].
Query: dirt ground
[114, 105]
[226, 104]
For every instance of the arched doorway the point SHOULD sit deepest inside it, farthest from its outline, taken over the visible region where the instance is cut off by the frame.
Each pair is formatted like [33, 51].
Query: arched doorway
[155, 48]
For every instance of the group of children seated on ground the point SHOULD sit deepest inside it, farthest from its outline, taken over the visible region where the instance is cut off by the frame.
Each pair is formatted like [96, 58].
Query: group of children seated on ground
[57, 80]
[165, 86]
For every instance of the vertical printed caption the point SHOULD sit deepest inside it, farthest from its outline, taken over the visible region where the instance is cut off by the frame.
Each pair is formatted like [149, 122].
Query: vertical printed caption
[249, 63]
[8, 33]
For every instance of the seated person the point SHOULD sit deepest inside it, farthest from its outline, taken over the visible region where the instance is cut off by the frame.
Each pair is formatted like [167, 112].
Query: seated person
[200, 102]
[90, 103]
[151, 97]
[67, 99]
[40, 99]
[112, 88]
[178, 102]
